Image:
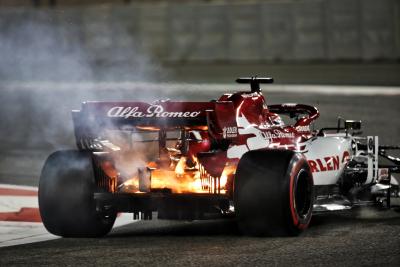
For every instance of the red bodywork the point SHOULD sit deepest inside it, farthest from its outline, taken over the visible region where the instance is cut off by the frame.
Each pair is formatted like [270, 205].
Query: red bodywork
[214, 134]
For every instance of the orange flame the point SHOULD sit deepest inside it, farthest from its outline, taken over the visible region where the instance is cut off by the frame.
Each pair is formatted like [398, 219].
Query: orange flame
[179, 178]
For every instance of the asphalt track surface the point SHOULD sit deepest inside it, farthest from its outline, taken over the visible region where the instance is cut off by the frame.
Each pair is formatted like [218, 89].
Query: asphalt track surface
[366, 237]
[340, 240]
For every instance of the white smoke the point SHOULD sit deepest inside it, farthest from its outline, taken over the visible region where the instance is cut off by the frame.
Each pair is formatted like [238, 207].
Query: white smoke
[39, 49]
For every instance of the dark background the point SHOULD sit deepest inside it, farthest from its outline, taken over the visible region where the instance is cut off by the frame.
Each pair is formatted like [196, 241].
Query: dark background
[56, 54]
[296, 41]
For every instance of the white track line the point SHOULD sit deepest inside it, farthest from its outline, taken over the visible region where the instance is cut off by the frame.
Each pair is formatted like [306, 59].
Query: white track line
[18, 232]
[218, 87]
[22, 187]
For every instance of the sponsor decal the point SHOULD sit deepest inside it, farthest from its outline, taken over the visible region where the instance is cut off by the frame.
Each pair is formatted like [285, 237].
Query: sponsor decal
[260, 140]
[257, 142]
[276, 134]
[230, 132]
[303, 128]
[346, 156]
[383, 174]
[153, 111]
[371, 145]
[289, 105]
[329, 163]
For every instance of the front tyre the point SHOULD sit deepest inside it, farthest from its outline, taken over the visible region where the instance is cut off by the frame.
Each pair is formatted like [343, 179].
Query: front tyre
[66, 203]
[273, 193]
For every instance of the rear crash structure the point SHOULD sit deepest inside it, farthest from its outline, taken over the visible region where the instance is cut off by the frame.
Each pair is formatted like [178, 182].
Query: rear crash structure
[233, 157]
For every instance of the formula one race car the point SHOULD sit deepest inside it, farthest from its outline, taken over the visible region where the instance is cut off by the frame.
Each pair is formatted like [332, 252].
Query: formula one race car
[233, 157]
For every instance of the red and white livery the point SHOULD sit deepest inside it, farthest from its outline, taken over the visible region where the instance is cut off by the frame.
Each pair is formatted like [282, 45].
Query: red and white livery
[265, 165]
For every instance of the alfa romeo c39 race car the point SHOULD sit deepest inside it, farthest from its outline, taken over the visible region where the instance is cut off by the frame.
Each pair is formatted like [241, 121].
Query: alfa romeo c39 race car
[233, 157]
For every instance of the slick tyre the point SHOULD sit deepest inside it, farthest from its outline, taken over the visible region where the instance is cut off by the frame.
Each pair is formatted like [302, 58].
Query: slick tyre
[273, 193]
[66, 204]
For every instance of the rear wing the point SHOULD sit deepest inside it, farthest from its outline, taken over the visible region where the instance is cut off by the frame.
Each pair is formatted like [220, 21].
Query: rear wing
[159, 114]
[95, 117]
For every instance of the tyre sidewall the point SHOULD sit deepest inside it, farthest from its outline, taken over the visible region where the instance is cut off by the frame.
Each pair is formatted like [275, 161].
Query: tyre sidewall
[66, 202]
[296, 222]
[264, 193]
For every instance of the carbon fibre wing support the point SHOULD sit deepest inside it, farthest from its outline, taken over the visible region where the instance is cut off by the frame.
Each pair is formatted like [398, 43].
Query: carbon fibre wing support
[254, 82]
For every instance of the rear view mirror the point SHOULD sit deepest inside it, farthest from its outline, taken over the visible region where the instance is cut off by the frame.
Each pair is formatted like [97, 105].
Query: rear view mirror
[352, 125]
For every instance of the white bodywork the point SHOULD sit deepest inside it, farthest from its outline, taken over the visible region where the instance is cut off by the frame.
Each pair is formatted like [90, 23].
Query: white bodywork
[327, 157]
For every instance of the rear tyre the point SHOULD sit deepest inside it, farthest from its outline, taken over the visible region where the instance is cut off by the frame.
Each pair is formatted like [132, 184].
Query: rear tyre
[66, 204]
[273, 193]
